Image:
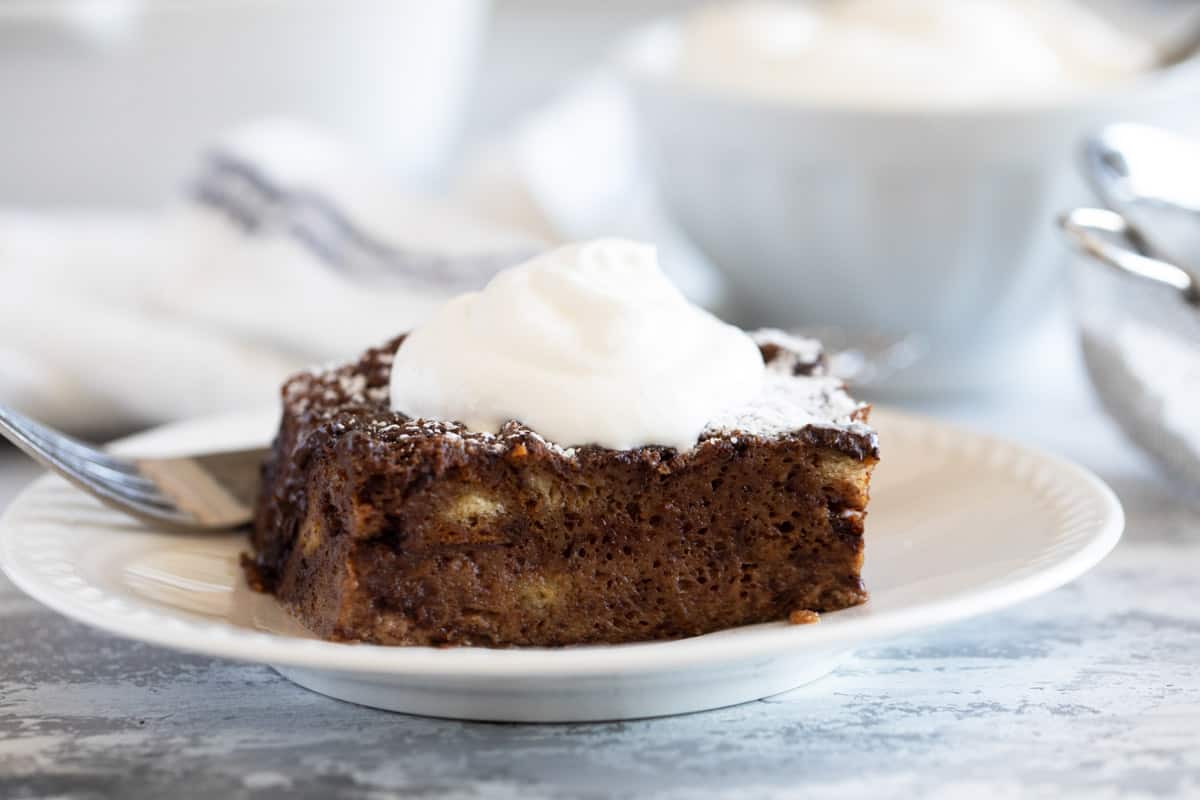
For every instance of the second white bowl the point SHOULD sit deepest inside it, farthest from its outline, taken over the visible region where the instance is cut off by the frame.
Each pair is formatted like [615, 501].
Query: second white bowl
[934, 224]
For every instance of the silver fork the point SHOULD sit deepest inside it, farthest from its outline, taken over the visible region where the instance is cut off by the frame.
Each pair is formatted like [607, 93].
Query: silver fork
[187, 493]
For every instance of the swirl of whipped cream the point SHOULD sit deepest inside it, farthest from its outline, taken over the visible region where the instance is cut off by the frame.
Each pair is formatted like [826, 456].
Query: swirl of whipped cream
[586, 344]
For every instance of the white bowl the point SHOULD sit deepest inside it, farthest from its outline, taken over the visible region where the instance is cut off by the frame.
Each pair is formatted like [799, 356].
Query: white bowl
[110, 100]
[932, 223]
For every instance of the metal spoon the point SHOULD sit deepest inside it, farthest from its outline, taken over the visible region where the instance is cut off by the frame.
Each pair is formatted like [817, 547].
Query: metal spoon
[1152, 178]
[1181, 49]
[1110, 239]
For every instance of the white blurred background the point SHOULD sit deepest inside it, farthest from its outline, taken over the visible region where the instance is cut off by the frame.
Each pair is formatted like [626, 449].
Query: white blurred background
[108, 100]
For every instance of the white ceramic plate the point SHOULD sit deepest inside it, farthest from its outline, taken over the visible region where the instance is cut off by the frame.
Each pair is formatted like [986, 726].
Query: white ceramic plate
[960, 524]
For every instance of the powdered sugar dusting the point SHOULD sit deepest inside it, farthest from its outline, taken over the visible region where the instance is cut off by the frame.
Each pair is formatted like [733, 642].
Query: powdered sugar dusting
[327, 391]
[788, 403]
[793, 350]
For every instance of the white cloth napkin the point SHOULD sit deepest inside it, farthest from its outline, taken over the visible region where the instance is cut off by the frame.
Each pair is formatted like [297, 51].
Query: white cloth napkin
[111, 321]
[115, 321]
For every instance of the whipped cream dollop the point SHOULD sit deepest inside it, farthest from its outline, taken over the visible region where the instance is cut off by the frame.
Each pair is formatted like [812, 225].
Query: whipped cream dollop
[909, 53]
[586, 344]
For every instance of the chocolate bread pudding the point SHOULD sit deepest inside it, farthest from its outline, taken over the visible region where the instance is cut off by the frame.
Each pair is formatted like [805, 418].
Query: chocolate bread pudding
[380, 526]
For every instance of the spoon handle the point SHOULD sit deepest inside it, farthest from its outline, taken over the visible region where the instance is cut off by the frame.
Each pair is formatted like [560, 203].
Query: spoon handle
[1182, 49]
[1093, 231]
